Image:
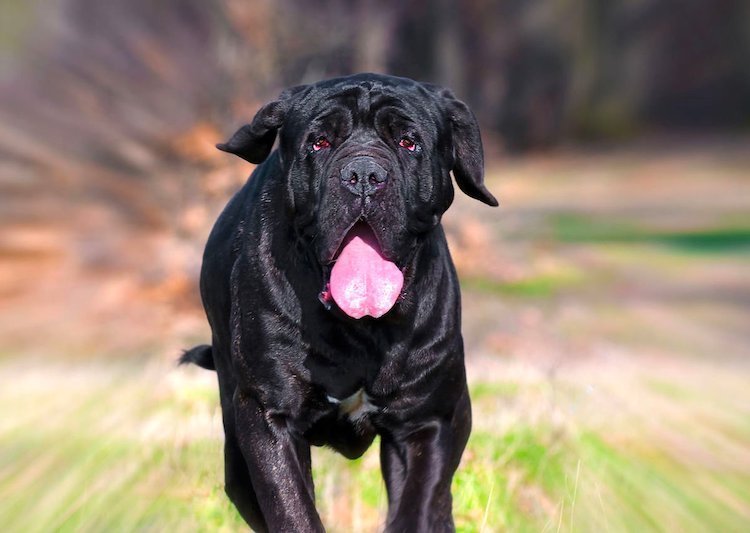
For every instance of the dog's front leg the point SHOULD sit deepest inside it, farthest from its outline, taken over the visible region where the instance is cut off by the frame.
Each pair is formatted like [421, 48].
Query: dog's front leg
[418, 469]
[279, 468]
[277, 460]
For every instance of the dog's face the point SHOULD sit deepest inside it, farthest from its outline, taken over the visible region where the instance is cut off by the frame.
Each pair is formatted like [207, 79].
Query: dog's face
[368, 149]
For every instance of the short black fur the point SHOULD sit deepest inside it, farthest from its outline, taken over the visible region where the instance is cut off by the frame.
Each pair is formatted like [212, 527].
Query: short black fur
[294, 371]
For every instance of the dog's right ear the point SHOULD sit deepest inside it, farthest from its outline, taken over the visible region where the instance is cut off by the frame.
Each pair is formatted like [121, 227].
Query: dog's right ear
[253, 142]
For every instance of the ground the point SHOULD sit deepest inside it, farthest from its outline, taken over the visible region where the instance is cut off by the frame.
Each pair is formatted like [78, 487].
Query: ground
[606, 312]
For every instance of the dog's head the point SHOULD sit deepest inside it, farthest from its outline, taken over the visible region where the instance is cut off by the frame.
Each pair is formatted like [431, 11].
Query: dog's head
[368, 154]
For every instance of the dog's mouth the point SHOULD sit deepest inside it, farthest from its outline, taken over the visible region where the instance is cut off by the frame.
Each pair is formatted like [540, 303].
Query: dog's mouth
[363, 282]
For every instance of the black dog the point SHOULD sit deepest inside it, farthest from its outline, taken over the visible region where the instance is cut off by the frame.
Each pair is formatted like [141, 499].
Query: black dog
[333, 301]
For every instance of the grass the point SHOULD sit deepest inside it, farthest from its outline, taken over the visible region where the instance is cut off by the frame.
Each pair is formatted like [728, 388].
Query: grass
[105, 455]
[540, 285]
[653, 491]
[122, 448]
[722, 238]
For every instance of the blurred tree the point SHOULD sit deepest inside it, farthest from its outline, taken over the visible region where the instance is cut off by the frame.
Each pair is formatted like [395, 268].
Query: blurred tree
[700, 65]
[114, 106]
[109, 109]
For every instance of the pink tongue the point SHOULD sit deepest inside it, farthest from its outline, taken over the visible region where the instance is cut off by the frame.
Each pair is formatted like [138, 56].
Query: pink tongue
[363, 282]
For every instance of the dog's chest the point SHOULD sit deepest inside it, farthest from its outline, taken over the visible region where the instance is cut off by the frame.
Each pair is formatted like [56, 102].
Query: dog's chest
[354, 407]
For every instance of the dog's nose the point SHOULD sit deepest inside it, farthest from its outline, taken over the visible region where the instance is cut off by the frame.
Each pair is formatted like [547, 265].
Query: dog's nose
[363, 176]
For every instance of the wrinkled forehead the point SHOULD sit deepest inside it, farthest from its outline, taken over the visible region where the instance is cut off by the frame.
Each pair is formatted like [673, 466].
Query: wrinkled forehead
[363, 100]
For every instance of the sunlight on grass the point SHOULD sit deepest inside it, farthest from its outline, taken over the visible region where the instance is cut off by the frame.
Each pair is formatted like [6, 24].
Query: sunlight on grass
[122, 453]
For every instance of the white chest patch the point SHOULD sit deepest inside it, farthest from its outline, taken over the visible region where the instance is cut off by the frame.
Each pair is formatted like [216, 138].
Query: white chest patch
[355, 406]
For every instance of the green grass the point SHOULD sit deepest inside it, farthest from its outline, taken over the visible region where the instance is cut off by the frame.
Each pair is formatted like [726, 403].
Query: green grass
[732, 236]
[103, 455]
[542, 285]
[114, 449]
[510, 478]
[668, 389]
[652, 491]
[493, 390]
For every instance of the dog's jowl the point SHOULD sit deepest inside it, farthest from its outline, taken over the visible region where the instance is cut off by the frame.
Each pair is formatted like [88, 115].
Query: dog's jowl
[333, 302]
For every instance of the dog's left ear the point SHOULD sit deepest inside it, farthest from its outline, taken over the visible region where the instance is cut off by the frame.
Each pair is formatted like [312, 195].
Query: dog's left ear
[253, 142]
[468, 156]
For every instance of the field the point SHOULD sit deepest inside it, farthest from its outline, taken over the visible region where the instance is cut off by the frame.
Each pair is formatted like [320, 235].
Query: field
[607, 313]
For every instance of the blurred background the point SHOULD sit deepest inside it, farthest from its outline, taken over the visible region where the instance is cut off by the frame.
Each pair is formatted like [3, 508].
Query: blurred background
[607, 301]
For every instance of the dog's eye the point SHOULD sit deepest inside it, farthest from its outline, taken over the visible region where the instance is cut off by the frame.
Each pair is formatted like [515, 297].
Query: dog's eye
[321, 143]
[407, 143]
